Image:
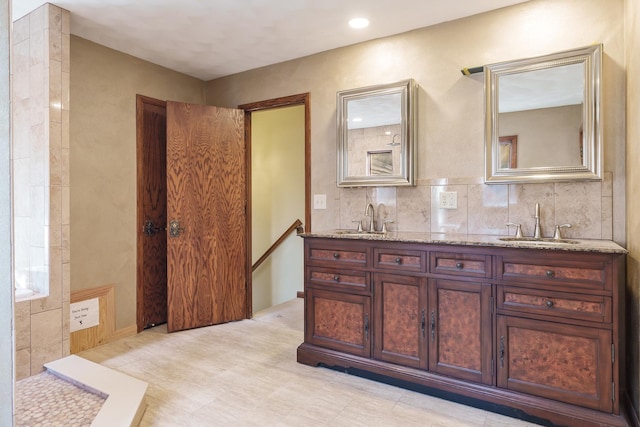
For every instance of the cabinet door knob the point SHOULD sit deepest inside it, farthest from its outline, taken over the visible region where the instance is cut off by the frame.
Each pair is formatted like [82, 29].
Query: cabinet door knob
[459, 265]
[549, 303]
[336, 278]
[336, 255]
[398, 260]
[550, 273]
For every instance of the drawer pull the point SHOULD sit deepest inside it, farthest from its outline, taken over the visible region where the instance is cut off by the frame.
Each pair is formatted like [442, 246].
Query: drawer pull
[549, 303]
[336, 278]
[459, 265]
[550, 273]
[336, 255]
[398, 260]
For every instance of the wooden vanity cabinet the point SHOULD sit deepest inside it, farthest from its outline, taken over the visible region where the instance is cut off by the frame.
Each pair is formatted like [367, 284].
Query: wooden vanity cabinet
[538, 332]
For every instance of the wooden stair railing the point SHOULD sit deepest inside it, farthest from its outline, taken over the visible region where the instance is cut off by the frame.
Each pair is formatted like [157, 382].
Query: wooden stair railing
[297, 225]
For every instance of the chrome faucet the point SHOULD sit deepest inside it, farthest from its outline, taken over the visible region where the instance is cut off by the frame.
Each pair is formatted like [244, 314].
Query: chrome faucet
[537, 233]
[372, 227]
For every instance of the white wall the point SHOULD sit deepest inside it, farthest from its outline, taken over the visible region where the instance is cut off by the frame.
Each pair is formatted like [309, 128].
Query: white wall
[6, 290]
[277, 197]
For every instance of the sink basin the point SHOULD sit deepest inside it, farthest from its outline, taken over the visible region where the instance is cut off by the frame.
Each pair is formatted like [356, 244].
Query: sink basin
[542, 240]
[358, 233]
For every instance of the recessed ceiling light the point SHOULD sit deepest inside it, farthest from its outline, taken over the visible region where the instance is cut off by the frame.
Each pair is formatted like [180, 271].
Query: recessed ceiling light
[359, 23]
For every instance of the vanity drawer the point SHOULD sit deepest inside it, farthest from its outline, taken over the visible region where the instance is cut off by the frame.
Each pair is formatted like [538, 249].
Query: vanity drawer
[329, 253]
[353, 281]
[550, 303]
[556, 270]
[400, 260]
[461, 264]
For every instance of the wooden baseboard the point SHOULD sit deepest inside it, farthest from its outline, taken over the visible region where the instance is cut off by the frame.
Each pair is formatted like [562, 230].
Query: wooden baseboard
[127, 331]
[300, 294]
[105, 331]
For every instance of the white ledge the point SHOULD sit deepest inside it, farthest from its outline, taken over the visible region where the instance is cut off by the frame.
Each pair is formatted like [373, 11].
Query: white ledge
[124, 405]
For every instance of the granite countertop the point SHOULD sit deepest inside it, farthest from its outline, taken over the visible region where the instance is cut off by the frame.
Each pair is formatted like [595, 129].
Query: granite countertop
[573, 245]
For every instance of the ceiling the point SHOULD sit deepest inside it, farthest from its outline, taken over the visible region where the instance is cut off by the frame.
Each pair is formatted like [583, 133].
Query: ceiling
[208, 39]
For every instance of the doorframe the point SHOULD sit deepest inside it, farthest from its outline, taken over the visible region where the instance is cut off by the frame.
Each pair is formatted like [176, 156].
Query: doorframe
[140, 219]
[285, 101]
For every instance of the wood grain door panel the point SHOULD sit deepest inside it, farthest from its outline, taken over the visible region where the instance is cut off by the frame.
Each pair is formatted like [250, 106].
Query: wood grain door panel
[460, 330]
[563, 362]
[400, 320]
[339, 321]
[206, 194]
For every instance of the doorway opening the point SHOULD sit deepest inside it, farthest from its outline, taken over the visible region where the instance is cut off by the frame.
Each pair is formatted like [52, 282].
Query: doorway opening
[151, 119]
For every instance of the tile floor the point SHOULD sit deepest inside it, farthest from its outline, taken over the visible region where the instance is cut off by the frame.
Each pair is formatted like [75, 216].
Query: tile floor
[245, 374]
[48, 401]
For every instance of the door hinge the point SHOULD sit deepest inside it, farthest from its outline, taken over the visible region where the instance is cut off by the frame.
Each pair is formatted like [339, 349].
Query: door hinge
[613, 353]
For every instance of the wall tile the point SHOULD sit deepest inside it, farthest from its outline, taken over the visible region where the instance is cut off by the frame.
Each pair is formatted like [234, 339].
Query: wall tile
[46, 328]
[22, 313]
[522, 202]
[488, 209]
[414, 209]
[449, 220]
[20, 30]
[23, 363]
[579, 204]
[607, 184]
[42, 354]
[384, 204]
[352, 204]
[607, 218]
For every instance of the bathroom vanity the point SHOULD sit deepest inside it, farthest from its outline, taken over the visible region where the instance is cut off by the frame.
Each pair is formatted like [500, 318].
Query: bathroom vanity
[530, 329]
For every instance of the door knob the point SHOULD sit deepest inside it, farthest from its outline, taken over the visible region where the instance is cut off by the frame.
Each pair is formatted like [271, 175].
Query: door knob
[175, 229]
[150, 229]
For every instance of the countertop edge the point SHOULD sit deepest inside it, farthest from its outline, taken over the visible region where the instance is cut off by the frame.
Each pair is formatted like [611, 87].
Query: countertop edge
[583, 245]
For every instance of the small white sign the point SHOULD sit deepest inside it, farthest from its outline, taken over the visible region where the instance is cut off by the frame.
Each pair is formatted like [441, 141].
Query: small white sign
[85, 314]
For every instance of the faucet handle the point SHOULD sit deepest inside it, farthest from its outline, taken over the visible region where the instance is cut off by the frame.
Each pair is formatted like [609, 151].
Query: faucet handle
[359, 225]
[518, 229]
[558, 234]
[384, 225]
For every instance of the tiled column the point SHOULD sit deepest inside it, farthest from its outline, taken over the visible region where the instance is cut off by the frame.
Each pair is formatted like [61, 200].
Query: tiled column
[40, 49]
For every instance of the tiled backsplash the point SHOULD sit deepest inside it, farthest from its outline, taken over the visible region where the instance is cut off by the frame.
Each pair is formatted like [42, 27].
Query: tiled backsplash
[485, 209]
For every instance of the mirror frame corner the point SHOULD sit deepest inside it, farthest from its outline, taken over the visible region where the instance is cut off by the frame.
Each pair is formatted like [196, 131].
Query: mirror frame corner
[592, 164]
[408, 89]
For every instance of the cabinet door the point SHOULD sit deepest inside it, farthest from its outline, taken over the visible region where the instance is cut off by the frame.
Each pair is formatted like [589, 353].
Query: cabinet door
[460, 330]
[338, 321]
[400, 320]
[563, 362]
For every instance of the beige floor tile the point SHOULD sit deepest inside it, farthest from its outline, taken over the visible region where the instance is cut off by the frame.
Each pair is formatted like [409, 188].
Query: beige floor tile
[245, 374]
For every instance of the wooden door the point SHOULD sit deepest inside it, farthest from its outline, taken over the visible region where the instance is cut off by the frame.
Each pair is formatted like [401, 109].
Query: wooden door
[563, 362]
[206, 199]
[460, 337]
[400, 320]
[151, 116]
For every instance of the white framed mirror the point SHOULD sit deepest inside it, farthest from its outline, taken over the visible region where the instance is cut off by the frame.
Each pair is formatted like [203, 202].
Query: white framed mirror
[542, 119]
[376, 135]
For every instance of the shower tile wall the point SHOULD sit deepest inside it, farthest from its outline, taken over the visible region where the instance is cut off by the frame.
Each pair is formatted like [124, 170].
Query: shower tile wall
[486, 209]
[40, 161]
